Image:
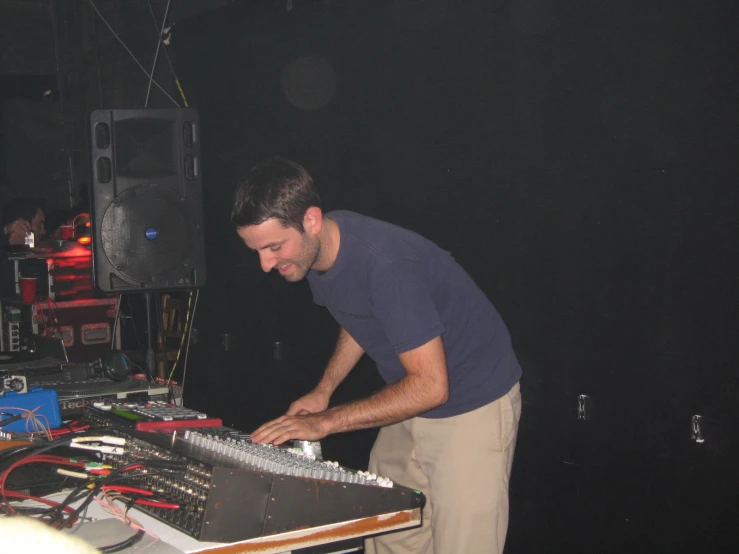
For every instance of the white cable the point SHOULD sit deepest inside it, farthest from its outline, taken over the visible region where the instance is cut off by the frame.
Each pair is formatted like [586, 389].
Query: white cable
[106, 439]
[74, 474]
[94, 7]
[99, 448]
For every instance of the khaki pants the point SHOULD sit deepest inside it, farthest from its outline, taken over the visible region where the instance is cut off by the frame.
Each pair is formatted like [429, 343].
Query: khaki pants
[462, 464]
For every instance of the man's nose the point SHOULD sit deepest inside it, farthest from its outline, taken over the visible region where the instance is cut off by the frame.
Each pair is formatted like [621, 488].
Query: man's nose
[267, 260]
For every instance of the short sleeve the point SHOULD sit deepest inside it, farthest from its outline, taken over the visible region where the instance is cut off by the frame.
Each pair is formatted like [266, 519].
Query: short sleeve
[402, 302]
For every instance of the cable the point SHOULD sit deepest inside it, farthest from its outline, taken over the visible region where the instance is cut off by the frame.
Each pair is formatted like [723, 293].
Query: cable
[166, 55]
[94, 7]
[182, 337]
[97, 487]
[130, 541]
[22, 496]
[37, 458]
[135, 329]
[31, 418]
[115, 321]
[8, 453]
[97, 59]
[160, 339]
[156, 54]
[62, 92]
[187, 347]
[55, 513]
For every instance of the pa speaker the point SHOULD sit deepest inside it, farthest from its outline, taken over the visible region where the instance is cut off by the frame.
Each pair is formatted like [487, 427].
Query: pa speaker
[146, 195]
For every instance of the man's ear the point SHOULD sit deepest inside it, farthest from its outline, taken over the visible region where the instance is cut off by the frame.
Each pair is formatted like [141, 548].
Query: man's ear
[313, 220]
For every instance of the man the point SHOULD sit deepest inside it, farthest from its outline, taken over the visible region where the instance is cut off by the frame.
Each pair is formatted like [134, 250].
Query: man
[20, 217]
[449, 413]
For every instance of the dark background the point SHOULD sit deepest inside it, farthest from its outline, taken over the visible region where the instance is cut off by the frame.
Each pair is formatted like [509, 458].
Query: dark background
[576, 157]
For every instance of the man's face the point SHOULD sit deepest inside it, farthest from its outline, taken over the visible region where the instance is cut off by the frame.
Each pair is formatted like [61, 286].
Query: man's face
[293, 253]
[38, 223]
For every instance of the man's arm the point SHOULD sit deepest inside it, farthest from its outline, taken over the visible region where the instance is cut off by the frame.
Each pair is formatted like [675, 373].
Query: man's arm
[346, 355]
[425, 386]
[15, 231]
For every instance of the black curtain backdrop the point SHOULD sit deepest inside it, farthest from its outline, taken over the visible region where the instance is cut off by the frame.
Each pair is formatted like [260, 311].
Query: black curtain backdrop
[578, 162]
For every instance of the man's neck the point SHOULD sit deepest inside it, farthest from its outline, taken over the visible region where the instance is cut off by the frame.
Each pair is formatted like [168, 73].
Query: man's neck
[330, 241]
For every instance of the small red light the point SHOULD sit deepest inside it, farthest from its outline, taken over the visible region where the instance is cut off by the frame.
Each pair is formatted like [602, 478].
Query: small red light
[84, 240]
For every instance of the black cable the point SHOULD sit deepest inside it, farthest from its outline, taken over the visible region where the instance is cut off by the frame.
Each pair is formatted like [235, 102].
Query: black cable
[135, 329]
[160, 331]
[52, 445]
[56, 513]
[130, 541]
[11, 419]
[29, 510]
[8, 453]
[98, 485]
[96, 47]
[115, 475]
[80, 493]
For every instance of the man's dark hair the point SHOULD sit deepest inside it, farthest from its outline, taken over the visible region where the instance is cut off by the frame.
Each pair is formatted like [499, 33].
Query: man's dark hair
[275, 189]
[21, 207]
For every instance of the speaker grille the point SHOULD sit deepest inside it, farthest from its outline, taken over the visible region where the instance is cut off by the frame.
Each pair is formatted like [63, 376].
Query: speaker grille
[149, 222]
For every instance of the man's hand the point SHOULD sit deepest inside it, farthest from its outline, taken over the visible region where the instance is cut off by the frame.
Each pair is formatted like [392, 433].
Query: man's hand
[17, 231]
[313, 402]
[310, 427]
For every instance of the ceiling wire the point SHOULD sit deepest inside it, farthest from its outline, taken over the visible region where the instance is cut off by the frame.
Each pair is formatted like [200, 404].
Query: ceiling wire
[159, 46]
[166, 52]
[150, 76]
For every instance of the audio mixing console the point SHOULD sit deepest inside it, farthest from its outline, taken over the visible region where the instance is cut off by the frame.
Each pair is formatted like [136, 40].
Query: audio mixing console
[228, 489]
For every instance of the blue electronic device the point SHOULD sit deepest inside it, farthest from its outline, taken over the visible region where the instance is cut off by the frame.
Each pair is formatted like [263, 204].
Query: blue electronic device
[44, 401]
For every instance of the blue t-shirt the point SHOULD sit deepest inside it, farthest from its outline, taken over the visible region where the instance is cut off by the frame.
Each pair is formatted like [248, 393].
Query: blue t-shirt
[393, 290]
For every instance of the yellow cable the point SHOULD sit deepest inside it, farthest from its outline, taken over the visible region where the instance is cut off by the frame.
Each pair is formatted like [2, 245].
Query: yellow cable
[182, 340]
[182, 92]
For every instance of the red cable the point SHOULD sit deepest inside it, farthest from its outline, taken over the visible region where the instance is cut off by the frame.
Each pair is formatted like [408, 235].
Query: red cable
[155, 504]
[14, 494]
[42, 458]
[123, 488]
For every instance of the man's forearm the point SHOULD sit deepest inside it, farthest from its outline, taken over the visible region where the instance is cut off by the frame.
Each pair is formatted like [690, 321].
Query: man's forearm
[407, 398]
[346, 355]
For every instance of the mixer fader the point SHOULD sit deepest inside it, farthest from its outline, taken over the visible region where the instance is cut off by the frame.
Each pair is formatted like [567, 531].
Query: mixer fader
[282, 461]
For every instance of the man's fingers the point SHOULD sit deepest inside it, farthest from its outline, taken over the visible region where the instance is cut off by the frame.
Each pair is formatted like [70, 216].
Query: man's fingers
[286, 428]
[262, 432]
[273, 435]
[278, 440]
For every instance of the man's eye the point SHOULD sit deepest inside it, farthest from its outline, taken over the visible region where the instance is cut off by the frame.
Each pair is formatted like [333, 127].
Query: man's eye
[274, 248]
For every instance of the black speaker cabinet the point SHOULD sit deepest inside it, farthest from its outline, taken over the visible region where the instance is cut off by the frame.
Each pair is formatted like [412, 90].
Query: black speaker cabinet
[147, 207]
